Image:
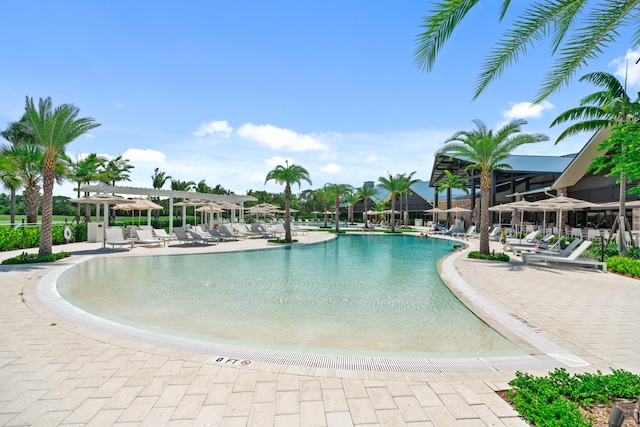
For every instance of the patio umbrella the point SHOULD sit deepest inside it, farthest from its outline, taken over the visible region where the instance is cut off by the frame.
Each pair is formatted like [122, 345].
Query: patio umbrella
[435, 211]
[106, 200]
[562, 203]
[191, 202]
[139, 205]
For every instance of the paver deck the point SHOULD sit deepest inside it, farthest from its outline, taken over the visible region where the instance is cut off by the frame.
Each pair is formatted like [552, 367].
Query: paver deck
[54, 371]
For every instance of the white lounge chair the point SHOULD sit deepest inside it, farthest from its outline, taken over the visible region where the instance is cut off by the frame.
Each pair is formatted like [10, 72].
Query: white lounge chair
[563, 253]
[229, 232]
[519, 247]
[471, 232]
[182, 236]
[572, 259]
[538, 248]
[145, 237]
[529, 238]
[115, 237]
[160, 233]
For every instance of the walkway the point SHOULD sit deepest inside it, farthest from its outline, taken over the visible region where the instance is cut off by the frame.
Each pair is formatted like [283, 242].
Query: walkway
[57, 372]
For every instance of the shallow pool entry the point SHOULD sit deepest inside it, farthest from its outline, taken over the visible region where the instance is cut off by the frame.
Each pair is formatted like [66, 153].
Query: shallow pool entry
[359, 294]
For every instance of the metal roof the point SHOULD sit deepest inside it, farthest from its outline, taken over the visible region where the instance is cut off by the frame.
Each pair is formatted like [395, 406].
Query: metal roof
[140, 191]
[521, 165]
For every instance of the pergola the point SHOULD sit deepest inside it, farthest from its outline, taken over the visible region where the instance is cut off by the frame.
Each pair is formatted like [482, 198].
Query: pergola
[170, 194]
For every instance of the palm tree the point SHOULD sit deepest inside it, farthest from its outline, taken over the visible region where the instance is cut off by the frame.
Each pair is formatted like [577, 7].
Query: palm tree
[202, 187]
[603, 109]
[29, 161]
[288, 175]
[336, 191]
[451, 182]
[323, 195]
[488, 151]
[16, 133]
[366, 192]
[116, 170]
[578, 34]
[351, 199]
[408, 182]
[53, 129]
[10, 180]
[159, 179]
[85, 171]
[178, 185]
[394, 185]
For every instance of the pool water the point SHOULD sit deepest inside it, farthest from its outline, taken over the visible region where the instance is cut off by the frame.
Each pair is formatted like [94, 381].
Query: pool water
[358, 294]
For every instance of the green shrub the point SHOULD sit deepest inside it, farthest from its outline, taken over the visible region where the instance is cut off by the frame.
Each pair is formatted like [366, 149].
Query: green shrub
[554, 400]
[29, 237]
[624, 265]
[492, 257]
[26, 258]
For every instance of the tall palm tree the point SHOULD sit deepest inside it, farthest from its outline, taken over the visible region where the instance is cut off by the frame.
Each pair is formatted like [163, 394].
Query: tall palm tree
[116, 170]
[85, 171]
[29, 161]
[336, 191]
[603, 109]
[202, 187]
[287, 175]
[53, 129]
[351, 199]
[10, 179]
[366, 192]
[394, 184]
[451, 182]
[178, 185]
[488, 151]
[578, 30]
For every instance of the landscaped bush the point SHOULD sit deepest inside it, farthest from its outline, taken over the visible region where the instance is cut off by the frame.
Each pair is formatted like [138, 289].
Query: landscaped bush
[554, 400]
[29, 237]
[623, 265]
[492, 257]
[33, 258]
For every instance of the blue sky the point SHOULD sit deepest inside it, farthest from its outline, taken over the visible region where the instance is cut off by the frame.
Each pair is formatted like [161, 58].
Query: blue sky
[225, 91]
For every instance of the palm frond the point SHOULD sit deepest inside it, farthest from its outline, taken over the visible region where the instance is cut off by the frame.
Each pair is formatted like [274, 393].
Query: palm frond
[600, 30]
[532, 25]
[438, 27]
[580, 113]
[587, 126]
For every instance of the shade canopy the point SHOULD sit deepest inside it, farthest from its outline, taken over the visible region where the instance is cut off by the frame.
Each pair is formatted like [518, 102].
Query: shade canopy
[139, 205]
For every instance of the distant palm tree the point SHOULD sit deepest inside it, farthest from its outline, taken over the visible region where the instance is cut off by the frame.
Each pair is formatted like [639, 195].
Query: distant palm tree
[159, 179]
[408, 182]
[202, 187]
[287, 175]
[29, 161]
[336, 191]
[487, 151]
[351, 199]
[578, 33]
[178, 185]
[16, 133]
[53, 129]
[606, 108]
[451, 182]
[394, 185]
[10, 179]
[366, 192]
[116, 170]
[323, 195]
[85, 171]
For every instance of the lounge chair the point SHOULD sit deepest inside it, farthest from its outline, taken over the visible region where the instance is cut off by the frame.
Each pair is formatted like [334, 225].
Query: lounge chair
[201, 235]
[494, 234]
[529, 238]
[145, 237]
[182, 236]
[449, 231]
[538, 248]
[509, 246]
[115, 237]
[471, 231]
[563, 253]
[572, 259]
[160, 233]
[228, 232]
[257, 228]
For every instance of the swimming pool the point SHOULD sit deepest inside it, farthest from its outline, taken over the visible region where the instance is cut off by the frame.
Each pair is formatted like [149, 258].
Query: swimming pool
[357, 295]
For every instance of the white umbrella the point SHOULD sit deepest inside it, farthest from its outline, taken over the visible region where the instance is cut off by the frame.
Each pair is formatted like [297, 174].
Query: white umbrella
[138, 205]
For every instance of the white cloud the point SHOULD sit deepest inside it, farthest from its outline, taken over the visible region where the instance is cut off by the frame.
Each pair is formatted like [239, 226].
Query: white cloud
[626, 66]
[89, 135]
[220, 127]
[371, 159]
[280, 139]
[118, 104]
[331, 168]
[523, 110]
[136, 155]
[277, 160]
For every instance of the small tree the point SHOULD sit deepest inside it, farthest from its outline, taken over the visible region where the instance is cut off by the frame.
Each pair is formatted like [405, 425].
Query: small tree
[336, 191]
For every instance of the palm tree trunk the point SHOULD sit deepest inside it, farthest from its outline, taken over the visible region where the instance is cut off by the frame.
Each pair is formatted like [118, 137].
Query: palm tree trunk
[32, 202]
[622, 214]
[287, 213]
[337, 214]
[324, 205]
[12, 209]
[485, 193]
[48, 174]
[393, 213]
